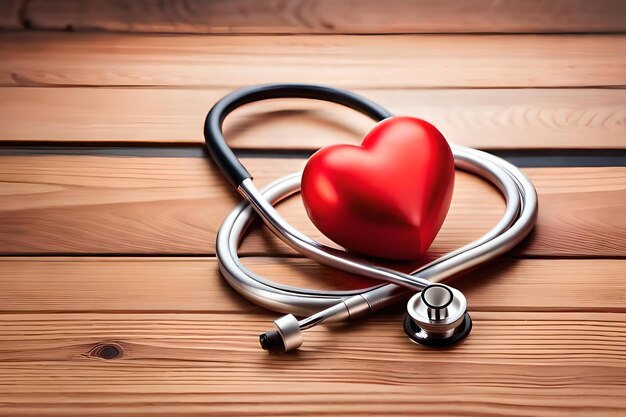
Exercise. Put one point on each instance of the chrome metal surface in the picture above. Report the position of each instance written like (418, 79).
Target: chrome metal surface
(289, 330)
(439, 321)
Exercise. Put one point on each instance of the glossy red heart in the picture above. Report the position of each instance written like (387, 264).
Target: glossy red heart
(386, 198)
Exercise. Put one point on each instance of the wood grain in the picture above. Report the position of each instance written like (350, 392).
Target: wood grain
(224, 348)
(60, 59)
(125, 388)
(117, 335)
(95, 204)
(329, 16)
(115, 205)
(202, 357)
(229, 341)
(484, 118)
(99, 205)
(196, 352)
(169, 285)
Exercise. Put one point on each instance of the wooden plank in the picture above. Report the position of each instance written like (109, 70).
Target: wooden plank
(125, 205)
(226, 346)
(489, 118)
(10, 14)
(170, 285)
(329, 16)
(159, 389)
(555, 340)
(62, 59)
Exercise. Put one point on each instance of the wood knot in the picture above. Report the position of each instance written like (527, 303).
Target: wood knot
(107, 351)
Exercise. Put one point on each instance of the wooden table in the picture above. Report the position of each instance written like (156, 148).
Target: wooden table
(111, 302)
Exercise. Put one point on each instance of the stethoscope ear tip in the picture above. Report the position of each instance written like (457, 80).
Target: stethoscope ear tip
(272, 341)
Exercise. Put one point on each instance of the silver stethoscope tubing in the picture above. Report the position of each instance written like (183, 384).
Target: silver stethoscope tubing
(515, 224)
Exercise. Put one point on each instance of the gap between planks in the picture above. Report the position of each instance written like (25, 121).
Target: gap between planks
(522, 158)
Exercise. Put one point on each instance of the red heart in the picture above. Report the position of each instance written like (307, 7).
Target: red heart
(387, 198)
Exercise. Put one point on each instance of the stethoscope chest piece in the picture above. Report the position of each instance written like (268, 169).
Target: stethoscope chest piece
(437, 316)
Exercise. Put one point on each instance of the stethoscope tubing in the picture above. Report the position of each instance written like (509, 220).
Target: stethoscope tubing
(515, 224)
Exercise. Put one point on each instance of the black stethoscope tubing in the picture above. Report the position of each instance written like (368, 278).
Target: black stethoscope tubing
(223, 155)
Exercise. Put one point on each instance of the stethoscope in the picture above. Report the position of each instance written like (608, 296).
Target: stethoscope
(437, 313)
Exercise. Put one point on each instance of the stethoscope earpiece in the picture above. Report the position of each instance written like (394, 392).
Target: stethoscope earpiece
(437, 316)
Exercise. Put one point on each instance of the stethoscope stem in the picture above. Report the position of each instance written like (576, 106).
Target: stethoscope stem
(287, 334)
